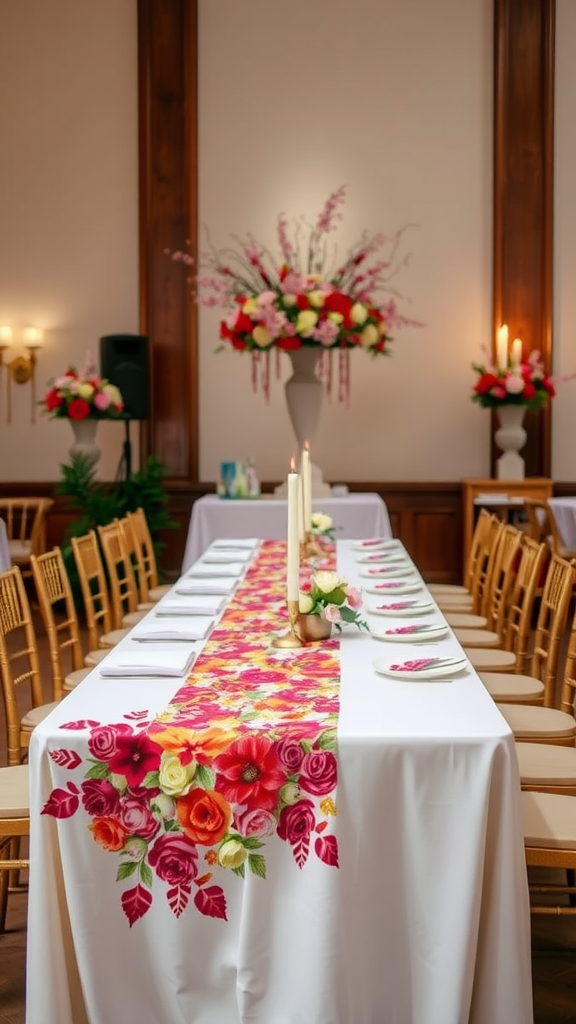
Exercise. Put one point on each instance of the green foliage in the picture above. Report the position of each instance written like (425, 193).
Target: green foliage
(97, 503)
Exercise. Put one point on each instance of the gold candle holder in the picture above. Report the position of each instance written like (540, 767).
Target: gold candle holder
(310, 548)
(291, 639)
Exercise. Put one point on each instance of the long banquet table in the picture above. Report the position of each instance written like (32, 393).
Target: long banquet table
(318, 844)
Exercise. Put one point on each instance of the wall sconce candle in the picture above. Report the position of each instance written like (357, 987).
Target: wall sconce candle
(21, 369)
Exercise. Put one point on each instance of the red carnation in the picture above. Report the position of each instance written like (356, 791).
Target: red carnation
(53, 400)
(529, 391)
(289, 344)
(485, 383)
(78, 409)
(302, 302)
(243, 324)
(549, 387)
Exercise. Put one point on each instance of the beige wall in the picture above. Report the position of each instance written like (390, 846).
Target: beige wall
(290, 108)
(394, 100)
(68, 203)
(564, 407)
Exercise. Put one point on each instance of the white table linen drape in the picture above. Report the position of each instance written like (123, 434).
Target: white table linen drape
(426, 920)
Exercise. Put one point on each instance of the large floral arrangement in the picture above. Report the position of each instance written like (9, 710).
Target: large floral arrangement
(81, 396)
(524, 382)
(306, 297)
(328, 594)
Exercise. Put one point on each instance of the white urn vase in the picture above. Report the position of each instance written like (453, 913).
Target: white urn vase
(304, 393)
(85, 438)
(510, 438)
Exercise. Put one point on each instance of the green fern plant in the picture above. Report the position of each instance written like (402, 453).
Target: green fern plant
(97, 503)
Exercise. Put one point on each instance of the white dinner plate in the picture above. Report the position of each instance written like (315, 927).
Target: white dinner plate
(416, 669)
(402, 608)
(375, 544)
(411, 634)
(384, 557)
(388, 571)
(388, 587)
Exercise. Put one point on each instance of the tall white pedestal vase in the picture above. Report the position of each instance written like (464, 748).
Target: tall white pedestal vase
(85, 438)
(510, 438)
(304, 396)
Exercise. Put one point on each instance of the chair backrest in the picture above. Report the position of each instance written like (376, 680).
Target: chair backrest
(123, 590)
(485, 560)
(25, 520)
(552, 616)
(502, 578)
(542, 524)
(143, 553)
(93, 586)
(518, 621)
(59, 616)
(480, 530)
(19, 662)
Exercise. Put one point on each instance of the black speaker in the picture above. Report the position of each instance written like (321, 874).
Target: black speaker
(124, 362)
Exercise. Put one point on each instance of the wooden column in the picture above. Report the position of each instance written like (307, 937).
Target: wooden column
(523, 190)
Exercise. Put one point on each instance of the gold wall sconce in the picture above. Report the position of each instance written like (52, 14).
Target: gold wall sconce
(21, 368)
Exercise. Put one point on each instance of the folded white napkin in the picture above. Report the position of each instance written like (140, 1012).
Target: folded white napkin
(187, 605)
(172, 628)
(226, 557)
(223, 586)
(212, 571)
(235, 542)
(159, 660)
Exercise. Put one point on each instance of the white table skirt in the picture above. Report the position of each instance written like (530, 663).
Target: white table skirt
(426, 921)
(564, 512)
(5, 560)
(354, 516)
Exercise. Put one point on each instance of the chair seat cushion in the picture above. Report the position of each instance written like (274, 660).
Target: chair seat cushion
(465, 620)
(14, 798)
(454, 604)
(73, 678)
(491, 659)
(508, 686)
(549, 820)
(20, 549)
(133, 618)
(156, 593)
(477, 637)
(36, 715)
(447, 588)
(94, 658)
(113, 638)
(546, 764)
(528, 722)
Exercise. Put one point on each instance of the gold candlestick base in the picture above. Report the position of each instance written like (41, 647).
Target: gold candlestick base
(291, 639)
(310, 548)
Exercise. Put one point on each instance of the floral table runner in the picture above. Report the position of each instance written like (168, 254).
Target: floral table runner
(244, 754)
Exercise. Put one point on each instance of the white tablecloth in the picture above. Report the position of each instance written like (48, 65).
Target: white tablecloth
(5, 560)
(426, 920)
(564, 512)
(354, 515)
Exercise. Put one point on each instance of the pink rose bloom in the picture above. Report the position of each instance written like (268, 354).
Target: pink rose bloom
(354, 598)
(332, 613)
(257, 823)
(101, 401)
(514, 384)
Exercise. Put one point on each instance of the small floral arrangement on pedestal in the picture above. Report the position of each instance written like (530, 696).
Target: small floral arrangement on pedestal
(305, 298)
(524, 381)
(81, 396)
(329, 595)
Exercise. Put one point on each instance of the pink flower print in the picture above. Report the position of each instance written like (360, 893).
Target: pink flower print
(135, 756)
(100, 798)
(396, 606)
(257, 823)
(388, 586)
(404, 629)
(318, 772)
(174, 858)
(296, 821)
(417, 665)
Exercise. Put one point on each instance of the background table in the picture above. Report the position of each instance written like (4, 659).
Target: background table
(425, 920)
(5, 560)
(564, 512)
(359, 515)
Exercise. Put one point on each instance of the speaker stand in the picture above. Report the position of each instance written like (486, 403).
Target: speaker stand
(124, 471)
